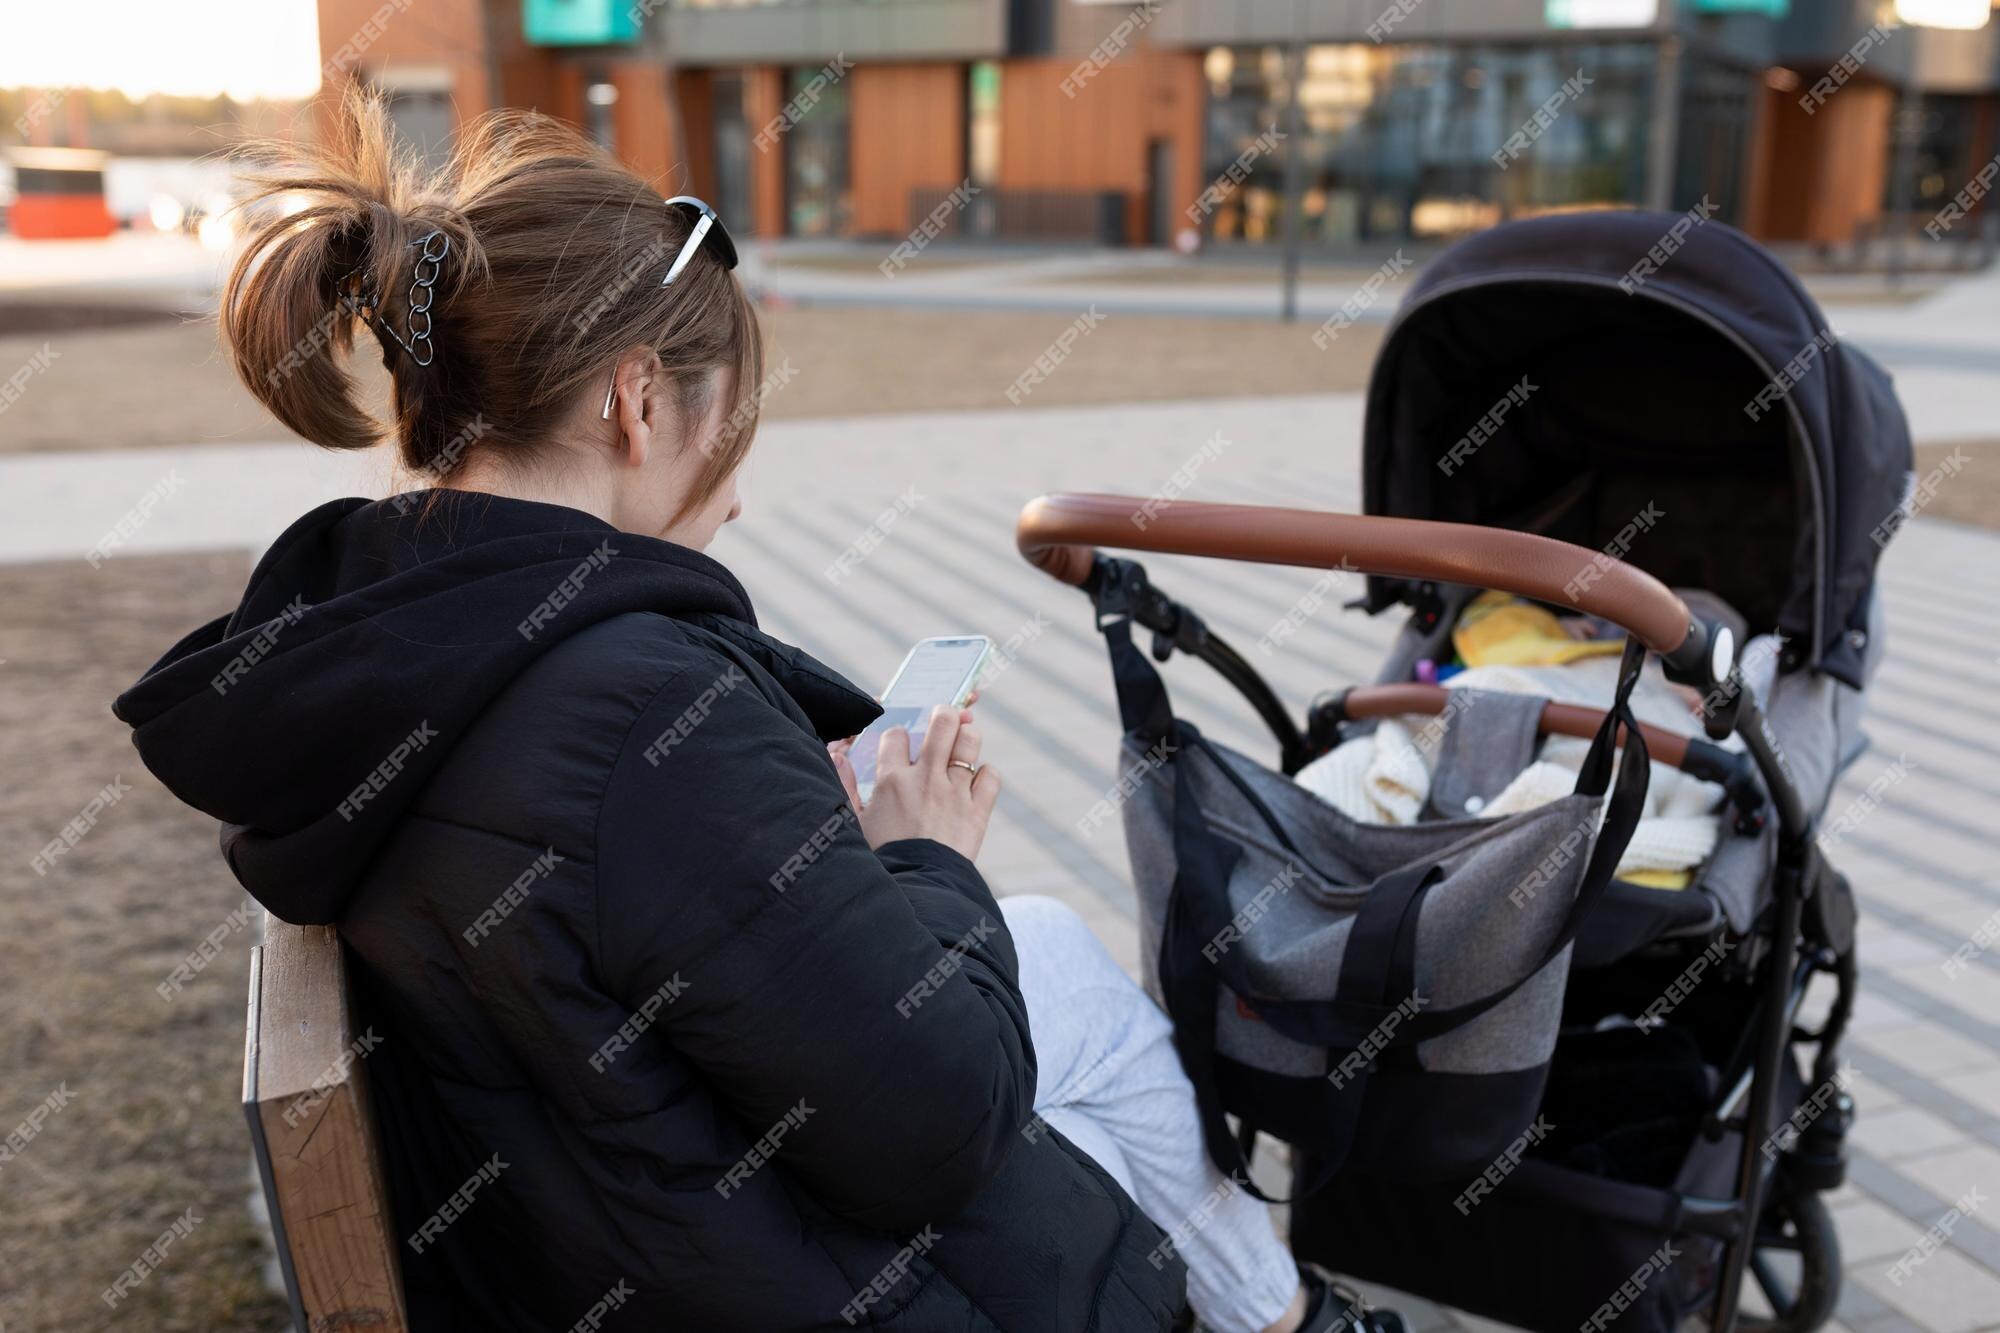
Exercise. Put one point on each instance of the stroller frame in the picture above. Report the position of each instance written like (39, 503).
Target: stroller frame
(1808, 927)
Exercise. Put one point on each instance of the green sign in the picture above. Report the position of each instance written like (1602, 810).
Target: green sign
(1770, 9)
(583, 22)
(1600, 13)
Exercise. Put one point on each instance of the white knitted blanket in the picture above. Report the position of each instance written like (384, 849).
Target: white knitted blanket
(1385, 778)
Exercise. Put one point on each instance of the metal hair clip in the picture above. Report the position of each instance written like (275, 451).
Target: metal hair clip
(366, 302)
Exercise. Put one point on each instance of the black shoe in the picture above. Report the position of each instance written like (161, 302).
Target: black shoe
(1333, 1308)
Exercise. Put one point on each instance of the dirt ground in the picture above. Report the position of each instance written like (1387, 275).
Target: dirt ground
(1224, 273)
(861, 360)
(165, 382)
(150, 1127)
(1968, 487)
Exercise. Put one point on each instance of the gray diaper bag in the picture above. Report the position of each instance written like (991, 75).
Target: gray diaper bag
(1384, 998)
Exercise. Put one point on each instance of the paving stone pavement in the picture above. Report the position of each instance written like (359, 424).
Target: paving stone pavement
(933, 498)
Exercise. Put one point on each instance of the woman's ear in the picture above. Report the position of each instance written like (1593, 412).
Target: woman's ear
(637, 393)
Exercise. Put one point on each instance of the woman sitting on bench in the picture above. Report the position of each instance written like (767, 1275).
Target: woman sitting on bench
(665, 1010)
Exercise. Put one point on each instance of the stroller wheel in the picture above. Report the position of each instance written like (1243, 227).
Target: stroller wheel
(1796, 1264)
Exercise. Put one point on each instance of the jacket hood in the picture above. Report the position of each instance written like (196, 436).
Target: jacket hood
(370, 637)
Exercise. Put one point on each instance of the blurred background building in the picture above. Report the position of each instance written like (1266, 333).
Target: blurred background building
(1096, 121)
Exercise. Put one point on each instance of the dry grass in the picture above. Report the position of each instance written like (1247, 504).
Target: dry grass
(153, 1127)
(1971, 493)
(853, 361)
(166, 383)
(870, 260)
(1252, 272)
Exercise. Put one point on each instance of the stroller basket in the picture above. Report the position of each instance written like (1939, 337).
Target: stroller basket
(1553, 1249)
(1556, 1246)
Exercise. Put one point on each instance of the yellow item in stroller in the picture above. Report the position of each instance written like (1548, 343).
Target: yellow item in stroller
(1499, 629)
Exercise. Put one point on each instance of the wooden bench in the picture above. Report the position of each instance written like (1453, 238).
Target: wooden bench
(305, 1094)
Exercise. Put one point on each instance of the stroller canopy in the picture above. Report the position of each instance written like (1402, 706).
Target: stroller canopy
(1700, 420)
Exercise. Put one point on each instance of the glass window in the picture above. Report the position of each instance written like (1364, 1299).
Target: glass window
(817, 190)
(982, 123)
(732, 152)
(1399, 140)
(424, 121)
(598, 100)
(982, 145)
(1718, 107)
(1941, 157)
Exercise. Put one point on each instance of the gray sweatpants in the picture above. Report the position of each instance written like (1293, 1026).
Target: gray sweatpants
(1110, 1082)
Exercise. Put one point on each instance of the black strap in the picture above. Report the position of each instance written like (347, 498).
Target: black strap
(1188, 980)
(1143, 708)
(1379, 965)
(1190, 985)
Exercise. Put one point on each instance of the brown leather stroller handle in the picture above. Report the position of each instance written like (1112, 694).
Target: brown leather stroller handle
(1558, 719)
(1057, 533)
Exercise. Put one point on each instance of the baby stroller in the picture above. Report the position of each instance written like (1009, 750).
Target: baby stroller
(1513, 1079)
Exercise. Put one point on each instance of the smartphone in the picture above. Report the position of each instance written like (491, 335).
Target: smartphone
(937, 671)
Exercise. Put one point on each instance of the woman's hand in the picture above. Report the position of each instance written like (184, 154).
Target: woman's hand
(935, 795)
(841, 751)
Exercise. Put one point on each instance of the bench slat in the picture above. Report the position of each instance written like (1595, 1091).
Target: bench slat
(305, 1093)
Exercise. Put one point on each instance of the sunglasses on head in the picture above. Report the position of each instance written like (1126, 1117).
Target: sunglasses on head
(706, 223)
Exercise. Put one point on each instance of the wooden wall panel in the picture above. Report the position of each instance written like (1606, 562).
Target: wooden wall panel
(567, 83)
(1786, 190)
(694, 100)
(530, 81)
(449, 34)
(1823, 174)
(1052, 142)
(454, 35)
(1180, 115)
(643, 126)
(763, 99)
(1854, 161)
(1097, 140)
(527, 74)
(1758, 163)
(908, 132)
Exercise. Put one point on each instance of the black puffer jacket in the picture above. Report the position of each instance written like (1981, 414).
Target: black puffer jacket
(616, 928)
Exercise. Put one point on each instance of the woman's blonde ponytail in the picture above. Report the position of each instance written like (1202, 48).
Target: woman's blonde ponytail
(283, 320)
(500, 290)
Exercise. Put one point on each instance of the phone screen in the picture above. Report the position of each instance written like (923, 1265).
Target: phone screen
(937, 671)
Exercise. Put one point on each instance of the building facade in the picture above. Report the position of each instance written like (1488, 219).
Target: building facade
(1161, 122)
